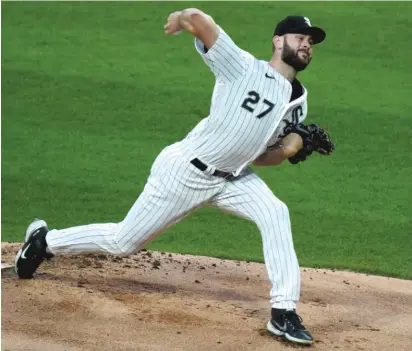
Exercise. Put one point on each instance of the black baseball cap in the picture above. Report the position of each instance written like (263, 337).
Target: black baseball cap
(300, 25)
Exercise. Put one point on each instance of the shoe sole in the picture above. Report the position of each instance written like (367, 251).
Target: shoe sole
(273, 330)
(35, 225)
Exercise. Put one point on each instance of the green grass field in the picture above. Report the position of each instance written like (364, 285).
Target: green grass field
(91, 92)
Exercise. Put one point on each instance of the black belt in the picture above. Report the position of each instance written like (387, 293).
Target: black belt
(200, 165)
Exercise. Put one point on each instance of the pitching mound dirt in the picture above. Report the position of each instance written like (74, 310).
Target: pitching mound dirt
(162, 301)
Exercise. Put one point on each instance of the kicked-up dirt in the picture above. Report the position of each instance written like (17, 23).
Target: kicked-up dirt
(164, 301)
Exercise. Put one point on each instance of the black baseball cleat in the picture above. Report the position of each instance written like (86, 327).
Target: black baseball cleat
(33, 252)
(288, 324)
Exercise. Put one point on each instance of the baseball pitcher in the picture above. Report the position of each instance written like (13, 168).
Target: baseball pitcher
(256, 117)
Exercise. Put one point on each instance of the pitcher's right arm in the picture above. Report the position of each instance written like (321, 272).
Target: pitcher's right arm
(194, 22)
(225, 59)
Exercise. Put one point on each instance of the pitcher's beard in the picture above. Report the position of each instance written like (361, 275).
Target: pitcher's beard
(290, 57)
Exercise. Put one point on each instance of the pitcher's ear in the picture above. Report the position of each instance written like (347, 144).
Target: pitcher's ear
(277, 42)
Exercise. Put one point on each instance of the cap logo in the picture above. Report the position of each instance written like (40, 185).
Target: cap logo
(307, 21)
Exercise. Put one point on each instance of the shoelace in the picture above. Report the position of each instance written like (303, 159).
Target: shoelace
(294, 320)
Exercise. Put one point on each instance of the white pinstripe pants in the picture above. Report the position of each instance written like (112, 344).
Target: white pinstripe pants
(174, 189)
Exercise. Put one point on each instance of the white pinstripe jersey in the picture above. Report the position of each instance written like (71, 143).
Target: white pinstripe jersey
(250, 108)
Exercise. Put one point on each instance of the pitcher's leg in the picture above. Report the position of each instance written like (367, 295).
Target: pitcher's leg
(249, 197)
(165, 200)
(162, 203)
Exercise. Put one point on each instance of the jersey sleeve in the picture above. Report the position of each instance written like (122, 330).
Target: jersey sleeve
(225, 59)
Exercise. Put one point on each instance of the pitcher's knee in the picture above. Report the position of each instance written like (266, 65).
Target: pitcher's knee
(121, 244)
(124, 248)
(119, 249)
(278, 210)
(283, 208)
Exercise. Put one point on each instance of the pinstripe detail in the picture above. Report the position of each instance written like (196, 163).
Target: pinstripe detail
(224, 58)
(250, 198)
(226, 145)
(174, 189)
(233, 136)
(229, 139)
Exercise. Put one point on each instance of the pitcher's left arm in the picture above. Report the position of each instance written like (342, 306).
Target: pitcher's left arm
(288, 147)
(298, 145)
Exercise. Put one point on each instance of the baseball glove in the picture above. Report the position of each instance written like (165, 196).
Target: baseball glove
(315, 139)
